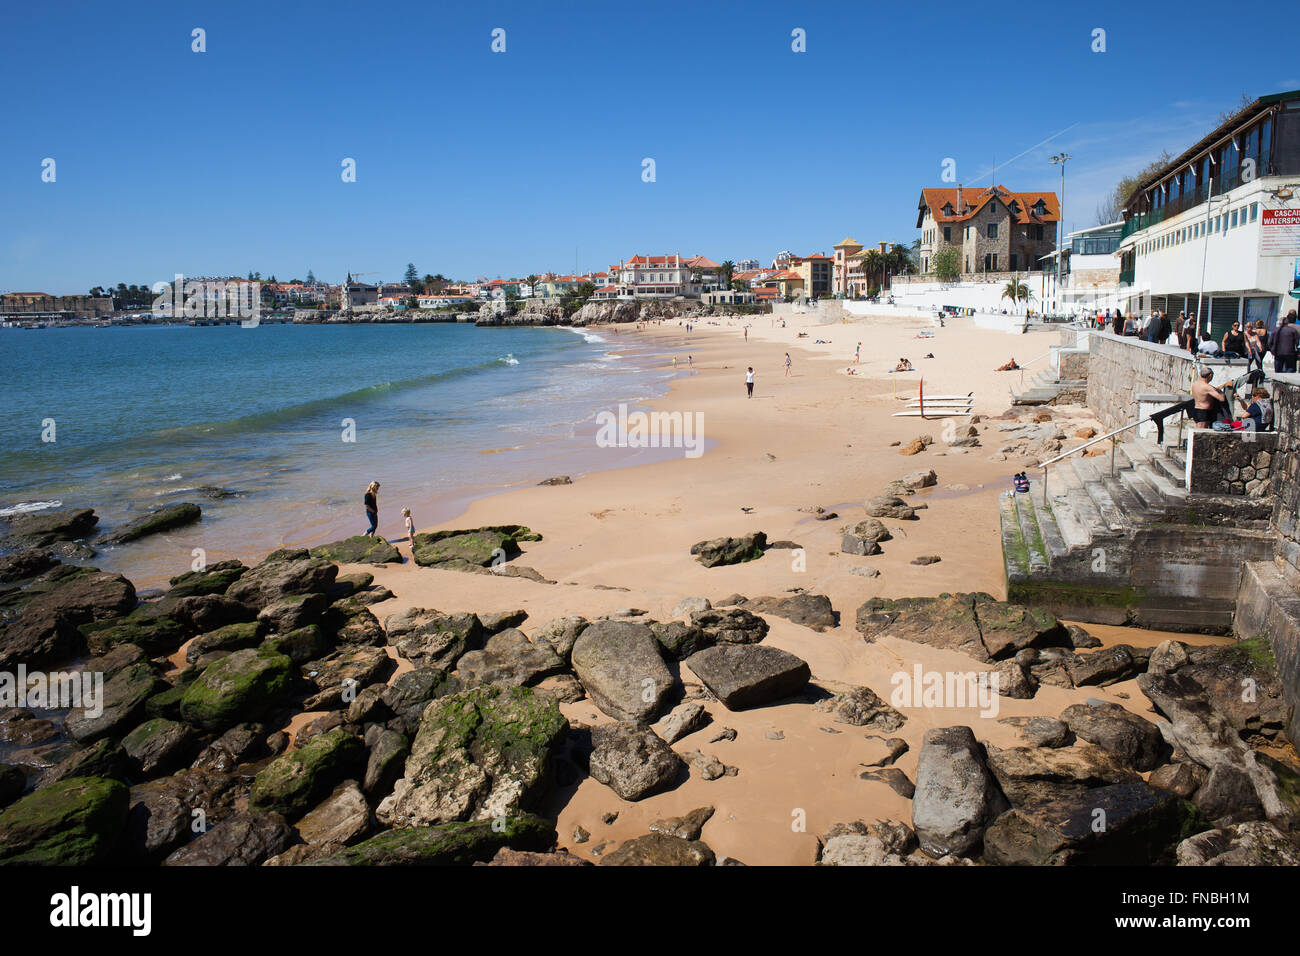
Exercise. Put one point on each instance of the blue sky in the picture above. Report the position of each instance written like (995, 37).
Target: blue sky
(471, 162)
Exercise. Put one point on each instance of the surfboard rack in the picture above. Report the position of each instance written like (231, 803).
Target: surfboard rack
(937, 406)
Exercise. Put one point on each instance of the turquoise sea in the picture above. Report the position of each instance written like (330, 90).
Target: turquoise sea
(291, 422)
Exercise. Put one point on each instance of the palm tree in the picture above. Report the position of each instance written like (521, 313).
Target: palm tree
(872, 264)
(726, 271)
(532, 283)
(1017, 291)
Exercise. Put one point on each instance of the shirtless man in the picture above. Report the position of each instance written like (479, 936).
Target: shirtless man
(1204, 394)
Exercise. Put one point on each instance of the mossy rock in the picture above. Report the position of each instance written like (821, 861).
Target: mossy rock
(294, 783)
(153, 633)
(214, 579)
(461, 842)
(74, 822)
(232, 637)
(301, 645)
(236, 688)
(158, 520)
(166, 703)
(467, 548)
(358, 549)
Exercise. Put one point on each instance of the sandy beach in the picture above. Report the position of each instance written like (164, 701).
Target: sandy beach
(818, 438)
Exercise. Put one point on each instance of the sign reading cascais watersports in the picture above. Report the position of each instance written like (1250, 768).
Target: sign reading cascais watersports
(1279, 232)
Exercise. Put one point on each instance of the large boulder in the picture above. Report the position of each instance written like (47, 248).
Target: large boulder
(1238, 783)
(454, 842)
(45, 528)
(660, 849)
(351, 622)
(861, 707)
(560, 634)
(75, 822)
(232, 637)
(956, 795)
(247, 838)
(293, 611)
(510, 660)
(619, 665)
(679, 640)
(864, 537)
(731, 625)
(296, 781)
(718, 551)
(52, 609)
(158, 745)
(24, 564)
(813, 611)
(749, 675)
(1033, 775)
(429, 638)
(1136, 741)
(889, 506)
(484, 752)
(343, 817)
(213, 579)
(1127, 824)
(632, 760)
(1256, 843)
(410, 693)
(473, 548)
(121, 707)
(974, 624)
(282, 574)
(359, 549)
(160, 519)
(239, 686)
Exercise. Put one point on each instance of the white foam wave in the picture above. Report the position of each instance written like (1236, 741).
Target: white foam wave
(23, 507)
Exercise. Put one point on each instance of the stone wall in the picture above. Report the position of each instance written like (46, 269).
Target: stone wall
(1124, 368)
(1285, 477)
(1232, 463)
(1072, 365)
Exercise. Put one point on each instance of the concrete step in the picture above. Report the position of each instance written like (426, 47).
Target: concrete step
(1014, 549)
(1053, 537)
(1085, 509)
(1173, 494)
(1029, 530)
(1135, 512)
(1170, 469)
(1116, 521)
(1033, 396)
(1148, 494)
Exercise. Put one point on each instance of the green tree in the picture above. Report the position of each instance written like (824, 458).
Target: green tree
(311, 278)
(946, 263)
(1016, 291)
(411, 277)
(1109, 209)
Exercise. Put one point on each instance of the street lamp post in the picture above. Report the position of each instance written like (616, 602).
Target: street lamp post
(1060, 159)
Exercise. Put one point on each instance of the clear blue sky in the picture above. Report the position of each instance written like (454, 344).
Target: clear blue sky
(474, 163)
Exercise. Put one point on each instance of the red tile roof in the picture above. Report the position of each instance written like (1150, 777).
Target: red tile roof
(976, 199)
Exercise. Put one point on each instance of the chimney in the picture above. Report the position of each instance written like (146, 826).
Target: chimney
(961, 205)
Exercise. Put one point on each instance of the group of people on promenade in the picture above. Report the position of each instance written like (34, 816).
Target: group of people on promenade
(1251, 342)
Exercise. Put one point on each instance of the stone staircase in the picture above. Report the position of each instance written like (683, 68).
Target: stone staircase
(1046, 388)
(1130, 547)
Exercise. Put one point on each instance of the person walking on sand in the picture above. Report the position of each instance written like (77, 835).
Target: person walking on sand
(749, 383)
(674, 363)
(857, 354)
(787, 364)
(410, 526)
(372, 507)
(747, 333)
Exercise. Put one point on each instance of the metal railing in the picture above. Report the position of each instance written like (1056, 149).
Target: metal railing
(1114, 444)
(1031, 362)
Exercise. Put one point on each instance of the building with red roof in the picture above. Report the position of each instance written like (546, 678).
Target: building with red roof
(994, 229)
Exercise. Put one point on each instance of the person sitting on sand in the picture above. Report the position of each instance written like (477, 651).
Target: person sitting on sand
(372, 507)
(1011, 366)
(903, 366)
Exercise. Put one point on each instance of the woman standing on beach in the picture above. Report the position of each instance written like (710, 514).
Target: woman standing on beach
(787, 364)
(372, 507)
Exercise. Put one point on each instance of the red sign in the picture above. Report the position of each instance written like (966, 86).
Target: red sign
(1279, 232)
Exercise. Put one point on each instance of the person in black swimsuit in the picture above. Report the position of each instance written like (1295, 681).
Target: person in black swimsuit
(372, 507)
(1234, 341)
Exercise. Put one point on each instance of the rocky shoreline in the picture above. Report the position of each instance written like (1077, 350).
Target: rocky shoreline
(266, 715)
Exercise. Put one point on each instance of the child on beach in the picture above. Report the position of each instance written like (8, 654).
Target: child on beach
(410, 525)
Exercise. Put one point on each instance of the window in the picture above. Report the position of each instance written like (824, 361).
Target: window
(995, 262)
(993, 230)
(1234, 219)
(1013, 262)
(988, 262)
(947, 233)
(1254, 211)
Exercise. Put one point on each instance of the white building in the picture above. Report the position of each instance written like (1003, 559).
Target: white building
(1220, 224)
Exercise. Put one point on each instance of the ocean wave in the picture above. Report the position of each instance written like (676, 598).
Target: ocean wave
(24, 507)
(509, 359)
(587, 336)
